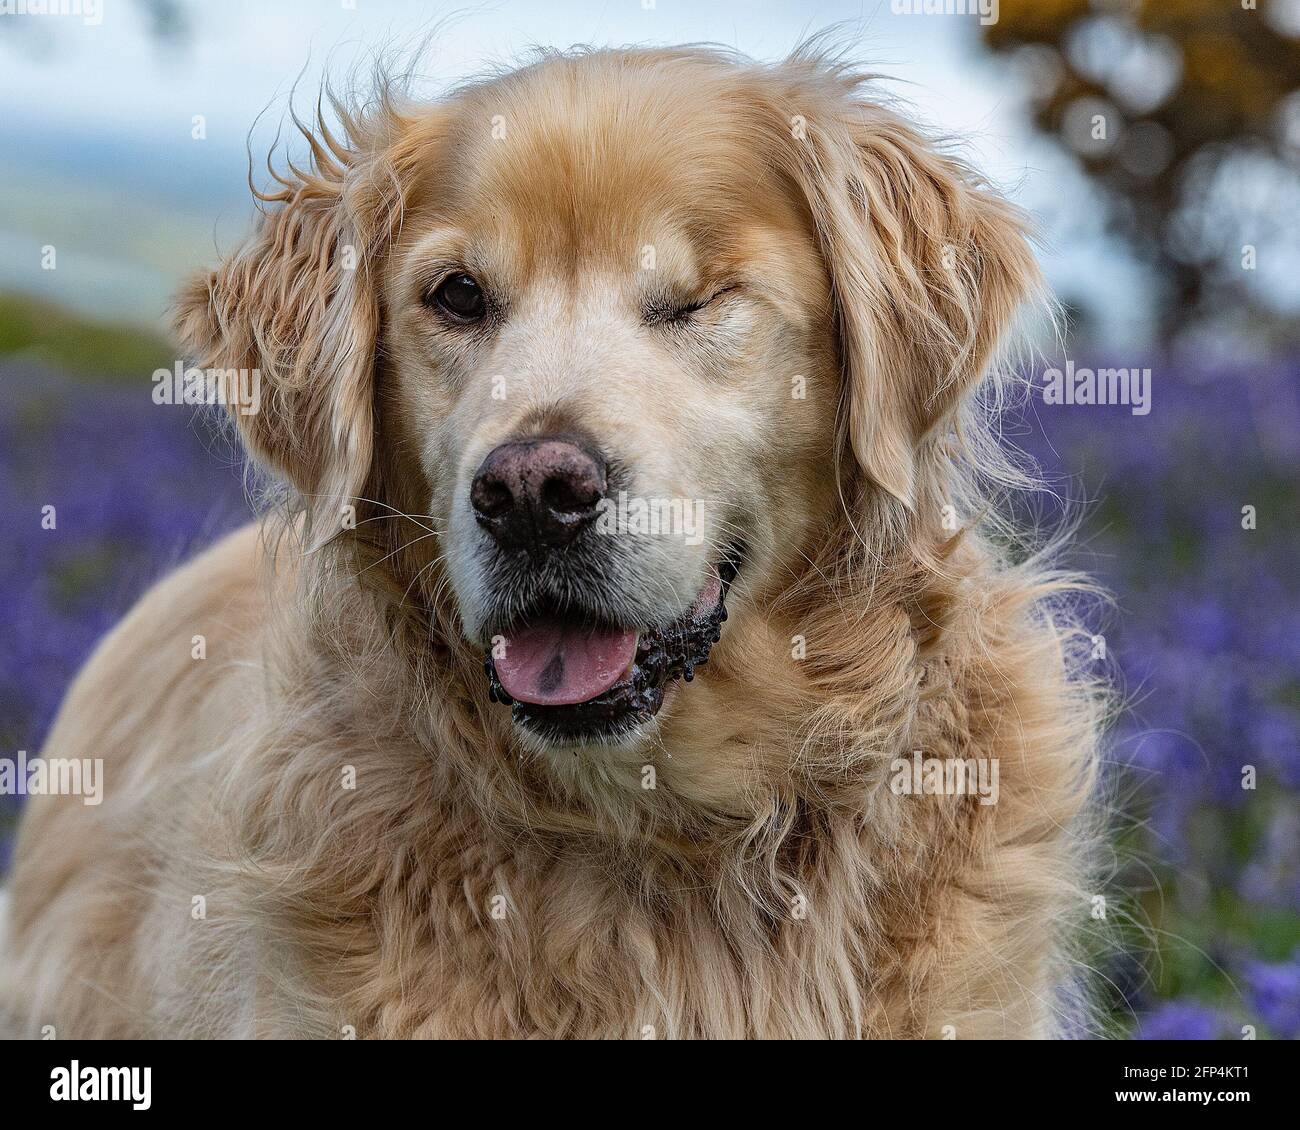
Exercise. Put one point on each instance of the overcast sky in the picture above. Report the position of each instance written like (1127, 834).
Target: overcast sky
(100, 162)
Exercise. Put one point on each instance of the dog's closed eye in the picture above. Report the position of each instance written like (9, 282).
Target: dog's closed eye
(664, 310)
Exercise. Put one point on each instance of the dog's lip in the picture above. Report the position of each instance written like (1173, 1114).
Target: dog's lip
(663, 653)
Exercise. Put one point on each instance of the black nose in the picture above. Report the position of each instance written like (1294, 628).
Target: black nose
(538, 493)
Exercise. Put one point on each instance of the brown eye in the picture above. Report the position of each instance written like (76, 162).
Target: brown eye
(461, 297)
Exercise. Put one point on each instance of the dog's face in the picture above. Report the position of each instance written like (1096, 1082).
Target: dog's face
(612, 355)
(620, 327)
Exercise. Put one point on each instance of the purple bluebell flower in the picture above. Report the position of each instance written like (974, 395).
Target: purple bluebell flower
(1185, 1020)
(1274, 992)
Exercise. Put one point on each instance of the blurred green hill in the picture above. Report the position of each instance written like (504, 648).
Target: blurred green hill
(102, 351)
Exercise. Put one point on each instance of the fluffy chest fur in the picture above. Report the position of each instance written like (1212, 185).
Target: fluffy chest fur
(440, 880)
(386, 863)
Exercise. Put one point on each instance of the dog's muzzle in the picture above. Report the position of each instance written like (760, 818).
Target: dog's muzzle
(568, 672)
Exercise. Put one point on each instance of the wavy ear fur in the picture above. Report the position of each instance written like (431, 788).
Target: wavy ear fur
(298, 302)
(927, 265)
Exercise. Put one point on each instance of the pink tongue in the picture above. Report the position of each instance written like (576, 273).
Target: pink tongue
(554, 665)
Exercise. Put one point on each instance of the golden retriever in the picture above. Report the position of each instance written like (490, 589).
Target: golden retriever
(585, 375)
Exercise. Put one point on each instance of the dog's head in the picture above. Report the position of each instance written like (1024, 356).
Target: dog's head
(626, 331)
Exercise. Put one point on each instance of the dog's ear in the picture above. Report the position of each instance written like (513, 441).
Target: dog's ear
(927, 266)
(298, 303)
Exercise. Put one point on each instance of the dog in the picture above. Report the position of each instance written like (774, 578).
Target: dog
(633, 649)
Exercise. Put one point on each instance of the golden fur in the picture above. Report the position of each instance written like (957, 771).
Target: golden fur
(472, 884)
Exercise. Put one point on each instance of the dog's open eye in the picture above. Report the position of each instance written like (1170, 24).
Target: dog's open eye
(459, 296)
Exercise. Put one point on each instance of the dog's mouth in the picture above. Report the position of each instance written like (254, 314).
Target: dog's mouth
(567, 678)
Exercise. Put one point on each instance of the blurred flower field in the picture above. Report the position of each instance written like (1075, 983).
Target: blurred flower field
(136, 489)
(1205, 635)
(1205, 640)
